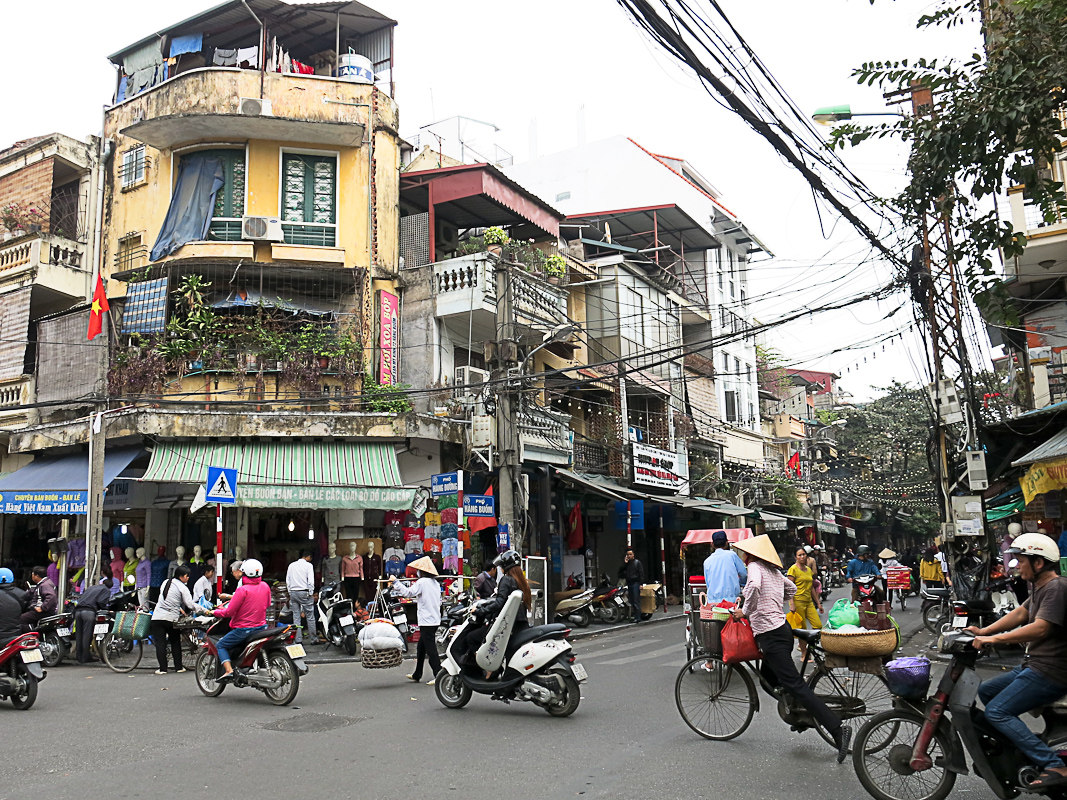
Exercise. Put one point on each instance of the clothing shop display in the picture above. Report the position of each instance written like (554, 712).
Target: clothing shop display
(447, 501)
(393, 552)
(352, 574)
(372, 570)
(449, 530)
(431, 545)
(450, 515)
(393, 518)
(331, 570)
(413, 546)
(394, 567)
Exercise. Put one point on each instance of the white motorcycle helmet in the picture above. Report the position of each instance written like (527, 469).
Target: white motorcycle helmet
(1036, 544)
(252, 568)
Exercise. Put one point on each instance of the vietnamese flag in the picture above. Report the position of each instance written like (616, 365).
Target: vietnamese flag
(96, 313)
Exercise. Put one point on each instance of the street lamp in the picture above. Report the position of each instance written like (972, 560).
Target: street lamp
(558, 334)
(830, 115)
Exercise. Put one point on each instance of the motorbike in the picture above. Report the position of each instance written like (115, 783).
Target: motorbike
(868, 588)
(627, 612)
(56, 637)
(268, 661)
(335, 618)
(577, 610)
(21, 670)
(608, 602)
(452, 616)
(919, 748)
(936, 607)
(535, 665)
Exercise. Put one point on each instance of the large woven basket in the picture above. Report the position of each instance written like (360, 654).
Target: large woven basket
(381, 659)
(859, 643)
(131, 625)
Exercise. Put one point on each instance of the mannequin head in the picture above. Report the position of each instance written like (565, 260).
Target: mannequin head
(197, 551)
(332, 549)
(179, 553)
(1014, 529)
(351, 549)
(161, 551)
(129, 553)
(370, 548)
(238, 553)
(140, 554)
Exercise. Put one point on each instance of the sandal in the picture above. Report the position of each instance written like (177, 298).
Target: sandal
(1045, 780)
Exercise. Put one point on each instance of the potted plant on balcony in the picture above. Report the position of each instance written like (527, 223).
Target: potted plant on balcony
(495, 238)
(555, 267)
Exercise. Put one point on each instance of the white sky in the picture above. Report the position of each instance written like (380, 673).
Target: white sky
(511, 64)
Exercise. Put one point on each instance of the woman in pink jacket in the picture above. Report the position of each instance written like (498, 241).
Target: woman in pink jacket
(247, 612)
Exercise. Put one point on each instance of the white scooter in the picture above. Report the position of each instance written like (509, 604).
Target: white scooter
(536, 665)
(335, 619)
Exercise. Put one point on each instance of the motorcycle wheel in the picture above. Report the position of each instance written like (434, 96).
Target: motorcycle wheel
(934, 616)
(54, 650)
(881, 754)
(286, 693)
(27, 696)
(611, 615)
(585, 616)
(451, 690)
(121, 655)
(205, 674)
(350, 644)
(572, 695)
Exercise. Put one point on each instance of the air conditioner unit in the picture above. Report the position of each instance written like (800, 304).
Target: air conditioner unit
(468, 380)
(446, 236)
(253, 107)
(262, 229)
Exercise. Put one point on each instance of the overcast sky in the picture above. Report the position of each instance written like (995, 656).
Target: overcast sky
(514, 64)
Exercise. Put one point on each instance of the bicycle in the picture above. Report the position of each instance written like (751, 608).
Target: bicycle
(718, 700)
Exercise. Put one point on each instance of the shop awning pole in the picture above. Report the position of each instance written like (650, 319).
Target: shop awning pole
(218, 549)
(663, 558)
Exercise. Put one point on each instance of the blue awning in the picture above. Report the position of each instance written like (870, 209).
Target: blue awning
(59, 485)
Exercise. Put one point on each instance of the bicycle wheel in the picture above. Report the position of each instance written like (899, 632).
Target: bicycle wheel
(881, 755)
(716, 701)
(850, 695)
(121, 655)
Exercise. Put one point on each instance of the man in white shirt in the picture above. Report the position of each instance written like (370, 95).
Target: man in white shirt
(300, 580)
(204, 589)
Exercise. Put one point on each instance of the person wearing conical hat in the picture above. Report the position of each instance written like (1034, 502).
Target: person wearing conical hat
(765, 593)
(427, 592)
(888, 560)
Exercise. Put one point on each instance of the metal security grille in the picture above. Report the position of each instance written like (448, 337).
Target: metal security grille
(230, 201)
(146, 307)
(309, 196)
(415, 240)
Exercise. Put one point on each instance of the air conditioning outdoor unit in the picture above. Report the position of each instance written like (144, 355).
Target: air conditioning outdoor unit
(446, 236)
(254, 107)
(468, 380)
(262, 229)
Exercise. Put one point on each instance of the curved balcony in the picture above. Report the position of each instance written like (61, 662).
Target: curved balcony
(206, 105)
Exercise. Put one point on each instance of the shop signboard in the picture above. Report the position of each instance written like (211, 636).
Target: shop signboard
(445, 483)
(254, 495)
(655, 467)
(388, 337)
(479, 505)
(503, 537)
(44, 502)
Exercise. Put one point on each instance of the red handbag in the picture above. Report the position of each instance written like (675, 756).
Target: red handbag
(738, 642)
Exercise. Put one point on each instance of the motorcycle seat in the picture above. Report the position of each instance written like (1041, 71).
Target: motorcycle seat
(532, 634)
(934, 592)
(806, 636)
(52, 619)
(266, 633)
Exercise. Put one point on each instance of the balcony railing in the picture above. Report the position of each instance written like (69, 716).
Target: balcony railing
(546, 435)
(51, 261)
(468, 283)
(590, 457)
(16, 392)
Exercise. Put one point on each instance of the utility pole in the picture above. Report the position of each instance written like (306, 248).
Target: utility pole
(509, 383)
(94, 522)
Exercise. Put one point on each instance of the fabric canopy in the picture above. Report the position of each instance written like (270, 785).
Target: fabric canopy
(704, 536)
(58, 485)
(189, 216)
(291, 474)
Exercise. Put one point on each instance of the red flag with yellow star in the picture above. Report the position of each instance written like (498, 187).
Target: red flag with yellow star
(100, 306)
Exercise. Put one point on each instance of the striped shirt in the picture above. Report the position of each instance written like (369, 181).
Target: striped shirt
(765, 593)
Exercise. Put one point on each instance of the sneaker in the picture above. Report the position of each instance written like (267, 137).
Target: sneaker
(412, 678)
(161, 672)
(843, 738)
(183, 669)
(431, 682)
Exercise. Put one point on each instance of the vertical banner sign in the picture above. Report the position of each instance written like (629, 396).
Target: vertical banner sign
(388, 337)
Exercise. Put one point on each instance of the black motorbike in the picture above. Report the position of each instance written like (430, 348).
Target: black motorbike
(55, 634)
(917, 749)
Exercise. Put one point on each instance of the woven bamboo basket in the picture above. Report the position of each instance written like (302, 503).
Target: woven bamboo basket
(859, 643)
(381, 659)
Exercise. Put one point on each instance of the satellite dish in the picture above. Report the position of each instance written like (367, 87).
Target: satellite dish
(199, 501)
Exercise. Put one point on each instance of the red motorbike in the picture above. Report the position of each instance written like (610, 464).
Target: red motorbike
(21, 671)
(268, 661)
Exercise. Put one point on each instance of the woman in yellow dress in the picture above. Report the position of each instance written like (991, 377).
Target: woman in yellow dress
(805, 601)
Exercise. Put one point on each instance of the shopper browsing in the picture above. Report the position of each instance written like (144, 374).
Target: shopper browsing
(174, 601)
(300, 581)
(204, 590)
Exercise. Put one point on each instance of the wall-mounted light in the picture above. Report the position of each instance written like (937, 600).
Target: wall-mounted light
(311, 533)
(292, 526)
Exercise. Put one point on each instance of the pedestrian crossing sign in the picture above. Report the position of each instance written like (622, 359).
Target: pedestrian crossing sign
(221, 485)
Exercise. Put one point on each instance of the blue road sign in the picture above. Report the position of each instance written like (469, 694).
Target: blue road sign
(221, 486)
(479, 505)
(446, 483)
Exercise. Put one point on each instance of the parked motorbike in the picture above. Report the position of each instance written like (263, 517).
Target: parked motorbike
(627, 609)
(576, 610)
(536, 665)
(268, 661)
(608, 602)
(20, 671)
(936, 607)
(982, 613)
(335, 618)
(56, 637)
(917, 749)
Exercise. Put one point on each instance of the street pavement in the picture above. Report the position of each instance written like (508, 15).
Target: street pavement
(354, 732)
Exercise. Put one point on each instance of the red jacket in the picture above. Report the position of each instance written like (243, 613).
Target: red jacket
(248, 606)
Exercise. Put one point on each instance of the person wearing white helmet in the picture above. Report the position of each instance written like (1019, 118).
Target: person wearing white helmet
(1042, 677)
(246, 611)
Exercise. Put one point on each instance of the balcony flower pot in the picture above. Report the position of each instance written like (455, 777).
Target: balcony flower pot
(495, 249)
(324, 362)
(554, 280)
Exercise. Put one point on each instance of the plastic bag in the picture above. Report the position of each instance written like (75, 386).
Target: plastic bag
(738, 642)
(843, 612)
(794, 619)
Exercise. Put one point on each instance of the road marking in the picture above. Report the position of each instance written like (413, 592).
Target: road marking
(622, 648)
(674, 664)
(673, 649)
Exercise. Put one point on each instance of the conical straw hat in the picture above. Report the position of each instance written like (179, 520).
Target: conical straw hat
(887, 553)
(761, 547)
(424, 564)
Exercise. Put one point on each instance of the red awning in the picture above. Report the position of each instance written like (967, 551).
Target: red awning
(704, 536)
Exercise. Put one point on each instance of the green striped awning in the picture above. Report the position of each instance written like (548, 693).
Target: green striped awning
(291, 474)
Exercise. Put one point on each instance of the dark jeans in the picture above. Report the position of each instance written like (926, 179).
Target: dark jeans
(352, 588)
(427, 648)
(84, 621)
(29, 620)
(779, 670)
(1013, 693)
(634, 592)
(163, 631)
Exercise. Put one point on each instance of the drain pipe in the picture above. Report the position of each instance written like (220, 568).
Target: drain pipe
(262, 46)
(103, 154)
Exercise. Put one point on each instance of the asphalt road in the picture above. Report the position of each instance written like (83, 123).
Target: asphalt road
(360, 733)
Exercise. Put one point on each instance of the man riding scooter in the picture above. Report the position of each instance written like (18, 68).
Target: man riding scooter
(861, 565)
(13, 602)
(1042, 677)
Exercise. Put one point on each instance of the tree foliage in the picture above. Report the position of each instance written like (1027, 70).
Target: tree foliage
(995, 123)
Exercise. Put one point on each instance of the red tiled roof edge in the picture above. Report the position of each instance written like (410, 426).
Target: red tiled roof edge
(659, 160)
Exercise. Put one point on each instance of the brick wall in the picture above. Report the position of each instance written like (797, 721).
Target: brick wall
(30, 185)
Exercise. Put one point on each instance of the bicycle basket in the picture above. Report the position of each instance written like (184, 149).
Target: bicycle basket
(908, 678)
(131, 625)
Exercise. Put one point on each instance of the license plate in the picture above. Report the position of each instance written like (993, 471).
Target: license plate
(959, 622)
(102, 628)
(65, 632)
(619, 601)
(400, 619)
(30, 656)
(295, 651)
(346, 620)
(580, 674)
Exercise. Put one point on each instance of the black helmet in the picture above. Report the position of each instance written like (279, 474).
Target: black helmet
(862, 550)
(507, 560)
